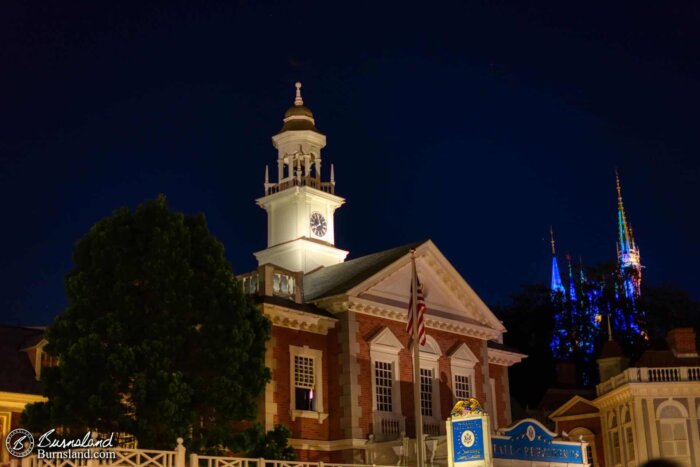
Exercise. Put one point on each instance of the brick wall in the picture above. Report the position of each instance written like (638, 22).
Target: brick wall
(368, 327)
(303, 428)
(497, 372)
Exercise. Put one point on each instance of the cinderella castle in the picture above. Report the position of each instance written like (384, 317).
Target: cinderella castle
(587, 307)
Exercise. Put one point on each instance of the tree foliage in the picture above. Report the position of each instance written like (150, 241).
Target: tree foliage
(158, 339)
(273, 445)
(529, 318)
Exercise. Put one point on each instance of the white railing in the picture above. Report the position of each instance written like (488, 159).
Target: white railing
(650, 375)
(117, 457)
(122, 457)
(141, 457)
(221, 461)
(388, 425)
(313, 182)
(432, 427)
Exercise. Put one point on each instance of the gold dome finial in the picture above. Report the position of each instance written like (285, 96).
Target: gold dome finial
(298, 100)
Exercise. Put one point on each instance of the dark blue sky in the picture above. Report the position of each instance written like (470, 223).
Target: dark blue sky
(477, 125)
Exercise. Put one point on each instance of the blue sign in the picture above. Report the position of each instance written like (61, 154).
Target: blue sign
(468, 440)
(529, 440)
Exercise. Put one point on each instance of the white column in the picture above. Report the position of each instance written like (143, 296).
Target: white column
(639, 425)
(694, 434)
(651, 425)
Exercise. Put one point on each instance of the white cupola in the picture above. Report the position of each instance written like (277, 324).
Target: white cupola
(300, 206)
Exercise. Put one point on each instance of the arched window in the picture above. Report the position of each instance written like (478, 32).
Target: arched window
(628, 435)
(673, 420)
(615, 440)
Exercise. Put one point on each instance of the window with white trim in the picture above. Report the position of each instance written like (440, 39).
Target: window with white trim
(628, 434)
(384, 350)
(306, 382)
(387, 420)
(463, 387)
(615, 441)
(430, 354)
(384, 386)
(674, 431)
(426, 392)
(462, 363)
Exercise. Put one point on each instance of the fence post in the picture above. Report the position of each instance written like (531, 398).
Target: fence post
(180, 453)
(261, 462)
(26, 461)
(194, 460)
(13, 462)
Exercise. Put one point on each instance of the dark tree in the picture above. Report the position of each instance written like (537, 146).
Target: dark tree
(273, 445)
(158, 339)
(669, 307)
(529, 319)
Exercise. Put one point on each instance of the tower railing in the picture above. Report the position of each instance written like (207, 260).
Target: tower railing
(311, 182)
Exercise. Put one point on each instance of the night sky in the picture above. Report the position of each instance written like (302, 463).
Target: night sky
(475, 125)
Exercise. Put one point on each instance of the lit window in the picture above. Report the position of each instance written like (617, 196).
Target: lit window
(304, 383)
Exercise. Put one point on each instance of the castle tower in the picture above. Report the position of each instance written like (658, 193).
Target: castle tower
(300, 206)
(556, 284)
(627, 251)
(572, 285)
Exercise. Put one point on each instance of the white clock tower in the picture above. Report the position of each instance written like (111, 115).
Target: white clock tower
(300, 207)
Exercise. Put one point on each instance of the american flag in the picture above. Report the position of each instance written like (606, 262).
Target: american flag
(420, 310)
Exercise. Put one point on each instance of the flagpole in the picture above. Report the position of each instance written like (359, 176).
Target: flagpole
(420, 447)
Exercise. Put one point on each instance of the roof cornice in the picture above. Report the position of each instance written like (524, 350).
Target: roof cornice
(341, 303)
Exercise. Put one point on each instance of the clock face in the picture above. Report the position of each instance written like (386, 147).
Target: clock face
(318, 224)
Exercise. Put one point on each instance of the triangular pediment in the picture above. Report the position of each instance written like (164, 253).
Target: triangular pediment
(577, 405)
(449, 298)
(386, 338)
(463, 352)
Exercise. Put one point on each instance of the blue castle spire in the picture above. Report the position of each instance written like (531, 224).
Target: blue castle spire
(572, 285)
(556, 286)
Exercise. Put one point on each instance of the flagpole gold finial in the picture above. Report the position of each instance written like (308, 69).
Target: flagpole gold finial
(298, 101)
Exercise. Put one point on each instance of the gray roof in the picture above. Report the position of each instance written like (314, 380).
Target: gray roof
(339, 278)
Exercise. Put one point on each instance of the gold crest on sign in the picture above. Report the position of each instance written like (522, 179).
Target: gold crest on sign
(469, 406)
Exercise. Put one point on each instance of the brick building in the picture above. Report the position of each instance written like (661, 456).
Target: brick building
(340, 356)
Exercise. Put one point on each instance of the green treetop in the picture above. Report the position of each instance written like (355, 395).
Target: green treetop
(158, 339)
